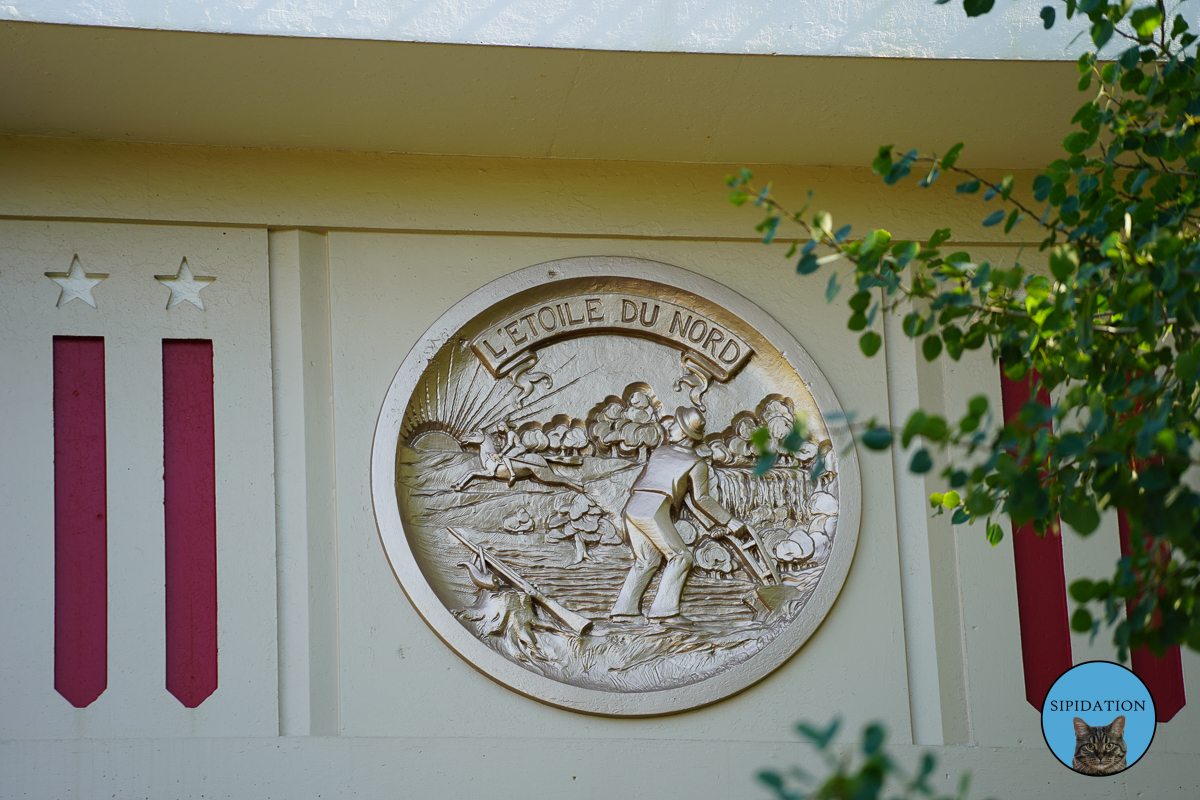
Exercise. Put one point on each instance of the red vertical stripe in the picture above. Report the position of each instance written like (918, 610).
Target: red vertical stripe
(80, 521)
(1041, 583)
(189, 474)
(1162, 676)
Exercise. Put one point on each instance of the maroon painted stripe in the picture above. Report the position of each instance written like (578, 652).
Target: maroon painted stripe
(189, 475)
(1041, 582)
(1162, 676)
(80, 521)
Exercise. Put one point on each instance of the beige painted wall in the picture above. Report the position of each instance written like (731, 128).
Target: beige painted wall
(369, 701)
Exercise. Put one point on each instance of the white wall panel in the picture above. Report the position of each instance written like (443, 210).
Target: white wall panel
(132, 317)
(397, 677)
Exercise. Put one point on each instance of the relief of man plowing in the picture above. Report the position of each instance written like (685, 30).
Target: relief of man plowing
(673, 475)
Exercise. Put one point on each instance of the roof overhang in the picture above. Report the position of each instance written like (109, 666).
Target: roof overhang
(336, 94)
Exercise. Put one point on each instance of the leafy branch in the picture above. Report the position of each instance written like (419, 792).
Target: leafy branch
(868, 780)
(1104, 328)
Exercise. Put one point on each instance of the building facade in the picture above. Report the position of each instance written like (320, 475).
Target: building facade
(222, 230)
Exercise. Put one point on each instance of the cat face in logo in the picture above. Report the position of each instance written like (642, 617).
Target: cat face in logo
(1100, 749)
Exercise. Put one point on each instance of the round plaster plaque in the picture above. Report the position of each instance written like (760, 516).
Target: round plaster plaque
(564, 480)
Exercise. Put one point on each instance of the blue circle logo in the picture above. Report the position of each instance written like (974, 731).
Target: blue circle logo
(1098, 718)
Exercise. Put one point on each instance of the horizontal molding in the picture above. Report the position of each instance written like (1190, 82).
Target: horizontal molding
(272, 188)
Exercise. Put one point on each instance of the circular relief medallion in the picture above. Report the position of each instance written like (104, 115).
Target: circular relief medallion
(564, 476)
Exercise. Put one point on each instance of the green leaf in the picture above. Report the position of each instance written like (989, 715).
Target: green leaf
(821, 738)
(916, 422)
(921, 462)
(977, 8)
(860, 301)
(808, 264)
(770, 227)
(764, 464)
(1185, 365)
(951, 499)
(772, 779)
(967, 187)
(1146, 21)
(995, 534)
(1064, 260)
(900, 169)
(904, 253)
(873, 738)
(877, 438)
(931, 347)
(951, 157)
(823, 221)
(760, 438)
(978, 405)
(979, 503)
(1102, 31)
(1139, 181)
(857, 322)
(1080, 513)
(1081, 620)
(1006, 186)
(939, 236)
(1047, 16)
(832, 288)
(1014, 217)
(994, 218)
(1042, 185)
(1193, 636)
(1077, 142)
(876, 241)
(1081, 590)
(869, 343)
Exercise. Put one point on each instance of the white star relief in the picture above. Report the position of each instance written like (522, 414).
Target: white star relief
(76, 284)
(184, 286)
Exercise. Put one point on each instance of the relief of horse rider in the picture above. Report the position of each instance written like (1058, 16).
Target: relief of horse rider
(674, 474)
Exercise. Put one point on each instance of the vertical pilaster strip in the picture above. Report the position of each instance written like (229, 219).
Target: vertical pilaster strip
(189, 475)
(1041, 582)
(929, 570)
(305, 485)
(321, 478)
(1162, 676)
(80, 520)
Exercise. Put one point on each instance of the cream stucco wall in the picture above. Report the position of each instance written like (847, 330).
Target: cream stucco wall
(351, 256)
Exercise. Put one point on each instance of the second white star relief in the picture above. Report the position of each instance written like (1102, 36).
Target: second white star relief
(184, 286)
(76, 284)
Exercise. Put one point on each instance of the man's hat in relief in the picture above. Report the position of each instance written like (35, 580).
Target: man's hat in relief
(690, 422)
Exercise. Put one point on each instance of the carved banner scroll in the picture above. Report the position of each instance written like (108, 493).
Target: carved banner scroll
(595, 533)
(713, 345)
